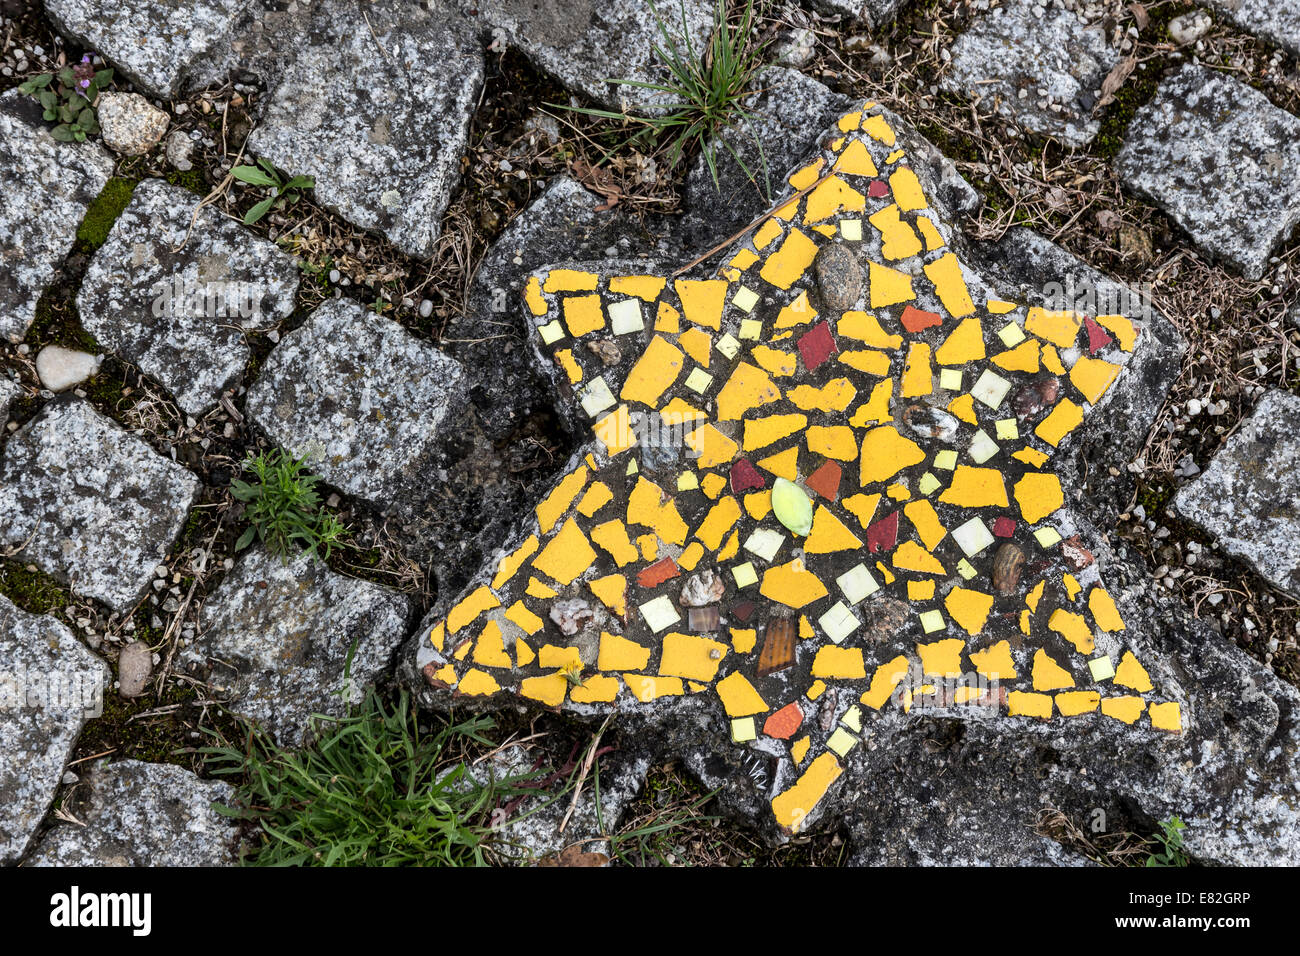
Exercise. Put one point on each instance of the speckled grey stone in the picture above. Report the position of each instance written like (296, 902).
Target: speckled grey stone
(376, 108)
(10, 392)
(1275, 20)
(363, 399)
(90, 503)
(154, 43)
(278, 636)
(874, 13)
(1247, 497)
(1056, 56)
(141, 814)
(47, 187)
(586, 43)
(154, 301)
(1221, 160)
(49, 685)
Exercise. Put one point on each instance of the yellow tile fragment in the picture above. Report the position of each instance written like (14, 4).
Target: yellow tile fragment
(1049, 675)
(612, 538)
(597, 496)
(941, 658)
(1166, 716)
(792, 807)
(560, 498)
(620, 654)
(866, 328)
(866, 360)
(567, 555)
(888, 286)
(792, 585)
(519, 615)
(512, 562)
(964, 344)
(656, 369)
(470, 607)
(477, 683)
(832, 441)
(1039, 495)
(1074, 628)
(596, 689)
(646, 288)
(973, 487)
(747, 388)
(647, 688)
(711, 447)
(883, 682)
(995, 662)
(1104, 612)
(691, 656)
(910, 556)
(798, 312)
(1120, 327)
(791, 260)
(702, 300)
(761, 432)
(838, 663)
(1059, 328)
(784, 464)
(720, 520)
(835, 396)
(1064, 417)
(1024, 704)
(1075, 702)
(968, 608)
(926, 521)
(774, 361)
(738, 696)
(533, 296)
(949, 285)
(918, 376)
(1130, 673)
(1092, 377)
(583, 314)
(1126, 709)
(829, 534)
(885, 453)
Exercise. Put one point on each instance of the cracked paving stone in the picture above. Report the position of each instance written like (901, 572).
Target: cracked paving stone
(585, 43)
(287, 630)
(376, 106)
(141, 814)
(179, 308)
(367, 403)
(1247, 496)
(156, 44)
(50, 684)
(90, 503)
(775, 554)
(1043, 72)
(1275, 20)
(48, 187)
(1221, 160)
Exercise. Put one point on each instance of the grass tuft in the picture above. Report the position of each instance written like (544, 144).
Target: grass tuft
(374, 790)
(705, 92)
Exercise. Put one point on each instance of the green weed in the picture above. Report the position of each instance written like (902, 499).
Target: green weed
(283, 508)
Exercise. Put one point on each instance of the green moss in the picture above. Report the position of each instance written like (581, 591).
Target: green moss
(190, 179)
(33, 591)
(103, 212)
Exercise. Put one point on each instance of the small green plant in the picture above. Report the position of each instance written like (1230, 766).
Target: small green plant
(373, 790)
(284, 191)
(704, 94)
(68, 97)
(283, 507)
(1170, 839)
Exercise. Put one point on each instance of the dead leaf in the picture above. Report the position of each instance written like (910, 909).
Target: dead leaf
(599, 181)
(1108, 220)
(574, 855)
(1114, 80)
(1140, 15)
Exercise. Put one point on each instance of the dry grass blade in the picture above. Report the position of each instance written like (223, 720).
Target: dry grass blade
(1115, 79)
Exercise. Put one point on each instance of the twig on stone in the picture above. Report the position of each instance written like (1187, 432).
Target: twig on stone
(587, 762)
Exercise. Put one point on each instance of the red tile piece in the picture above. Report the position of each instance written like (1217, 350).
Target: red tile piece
(1098, 338)
(914, 320)
(743, 610)
(745, 477)
(816, 345)
(1004, 527)
(826, 480)
(883, 534)
(657, 573)
(783, 724)
(877, 189)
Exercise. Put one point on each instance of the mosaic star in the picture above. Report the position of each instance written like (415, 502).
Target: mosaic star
(857, 519)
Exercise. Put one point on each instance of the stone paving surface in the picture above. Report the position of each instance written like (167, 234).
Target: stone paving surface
(280, 636)
(89, 503)
(1042, 70)
(365, 401)
(154, 43)
(1275, 20)
(1247, 498)
(48, 186)
(10, 392)
(50, 684)
(588, 43)
(376, 107)
(1221, 160)
(174, 294)
(141, 814)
